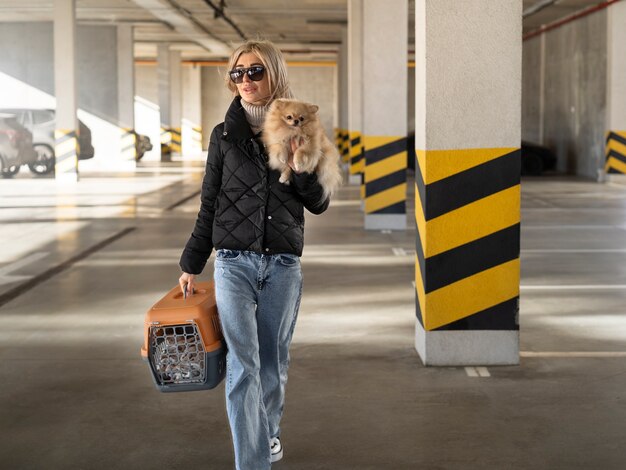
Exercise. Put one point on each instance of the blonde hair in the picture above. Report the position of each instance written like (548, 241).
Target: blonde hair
(274, 63)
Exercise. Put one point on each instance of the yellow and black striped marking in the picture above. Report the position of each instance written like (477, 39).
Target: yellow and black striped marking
(616, 152)
(339, 140)
(171, 137)
(129, 149)
(65, 151)
(176, 140)
(356, 153)
(467, 211)
(345, 146)
(385, 174)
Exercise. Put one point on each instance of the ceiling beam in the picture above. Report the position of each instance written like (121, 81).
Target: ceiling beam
(183, 22)
(537, 7)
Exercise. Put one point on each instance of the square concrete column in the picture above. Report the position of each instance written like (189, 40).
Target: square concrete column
(615, 163)
(170, 103)
(66, 142)
(342, 133)
(355, 92)
(385, 55)
(467, 174)
(192, 111)
(126, 95)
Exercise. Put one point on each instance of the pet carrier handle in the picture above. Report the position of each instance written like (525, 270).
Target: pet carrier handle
(193, 291)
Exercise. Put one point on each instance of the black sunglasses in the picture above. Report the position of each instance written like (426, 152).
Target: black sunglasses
(255, 74)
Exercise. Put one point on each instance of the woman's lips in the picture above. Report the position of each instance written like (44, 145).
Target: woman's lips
(249, 90)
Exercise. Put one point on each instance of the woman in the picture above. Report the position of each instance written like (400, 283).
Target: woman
(256, 225)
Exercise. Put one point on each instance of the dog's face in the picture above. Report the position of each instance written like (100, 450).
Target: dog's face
(296, 113)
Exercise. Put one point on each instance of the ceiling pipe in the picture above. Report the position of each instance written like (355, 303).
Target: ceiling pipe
(219, 13)
(569, 19)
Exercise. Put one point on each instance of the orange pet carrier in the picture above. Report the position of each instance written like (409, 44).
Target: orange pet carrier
(183, 342)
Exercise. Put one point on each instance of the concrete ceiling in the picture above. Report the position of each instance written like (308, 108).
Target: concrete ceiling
(305, 29)
(555, 11)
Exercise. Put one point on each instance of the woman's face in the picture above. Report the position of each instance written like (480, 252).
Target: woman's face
(253, 92)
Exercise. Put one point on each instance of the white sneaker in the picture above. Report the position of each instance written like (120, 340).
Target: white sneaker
(276, 449)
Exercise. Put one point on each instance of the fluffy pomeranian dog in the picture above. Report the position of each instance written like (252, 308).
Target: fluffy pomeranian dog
(287, 119)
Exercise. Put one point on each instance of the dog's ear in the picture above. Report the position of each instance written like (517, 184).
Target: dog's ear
(313, 108)
(279, 104)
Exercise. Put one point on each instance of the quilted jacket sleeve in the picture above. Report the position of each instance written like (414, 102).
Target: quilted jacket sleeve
(311, 192)
(200, 244)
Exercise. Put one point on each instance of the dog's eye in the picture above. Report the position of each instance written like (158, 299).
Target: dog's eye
(289, 117)
(301, 118)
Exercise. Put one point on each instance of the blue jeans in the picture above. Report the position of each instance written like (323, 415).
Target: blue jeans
(258, 297)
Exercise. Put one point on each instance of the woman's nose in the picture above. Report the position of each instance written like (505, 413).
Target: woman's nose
(246, 78)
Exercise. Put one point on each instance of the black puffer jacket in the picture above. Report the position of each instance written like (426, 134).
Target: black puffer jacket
(243, 206)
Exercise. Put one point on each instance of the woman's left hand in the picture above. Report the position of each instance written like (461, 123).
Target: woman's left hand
(295, 143)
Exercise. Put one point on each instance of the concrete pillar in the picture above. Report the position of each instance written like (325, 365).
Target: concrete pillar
(169, 77)
(467, 197)
(192, 111)
(385, 43)
(615, 163)
(355, 92)
(126, 95)
(66, 142)
(343, 135)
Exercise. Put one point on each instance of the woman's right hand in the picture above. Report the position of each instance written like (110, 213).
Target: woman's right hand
(188, 280)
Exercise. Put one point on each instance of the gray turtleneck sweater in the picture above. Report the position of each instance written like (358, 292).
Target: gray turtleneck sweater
(255, 115)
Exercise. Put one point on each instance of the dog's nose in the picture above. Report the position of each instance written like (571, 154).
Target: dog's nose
(295, 122)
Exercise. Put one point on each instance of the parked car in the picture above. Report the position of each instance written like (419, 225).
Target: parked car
(142, 145)
(16, 146)
(536, 159)
(41, 122)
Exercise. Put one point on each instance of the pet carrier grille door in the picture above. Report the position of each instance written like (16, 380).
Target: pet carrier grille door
(183, 341)
(177, 353)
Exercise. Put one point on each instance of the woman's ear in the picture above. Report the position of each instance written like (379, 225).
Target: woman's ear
(313, 108)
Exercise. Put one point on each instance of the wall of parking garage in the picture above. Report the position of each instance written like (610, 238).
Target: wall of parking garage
(315, 85)
(308, 82)
(27, 78)
(565, 92)
(532, 92)
(147, 111)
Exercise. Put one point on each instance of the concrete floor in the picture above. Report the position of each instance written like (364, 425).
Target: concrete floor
(76, 395)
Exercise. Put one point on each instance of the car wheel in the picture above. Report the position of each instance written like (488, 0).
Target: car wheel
(45, 160)
(8, 171)
(532, 164)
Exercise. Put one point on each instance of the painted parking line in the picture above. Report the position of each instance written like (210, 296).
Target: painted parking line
(570, 227)
(54, 270)
(576, 287)
(573, 354)
(573, 250)
(20, 263)
(477, 372)
(7, 278)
